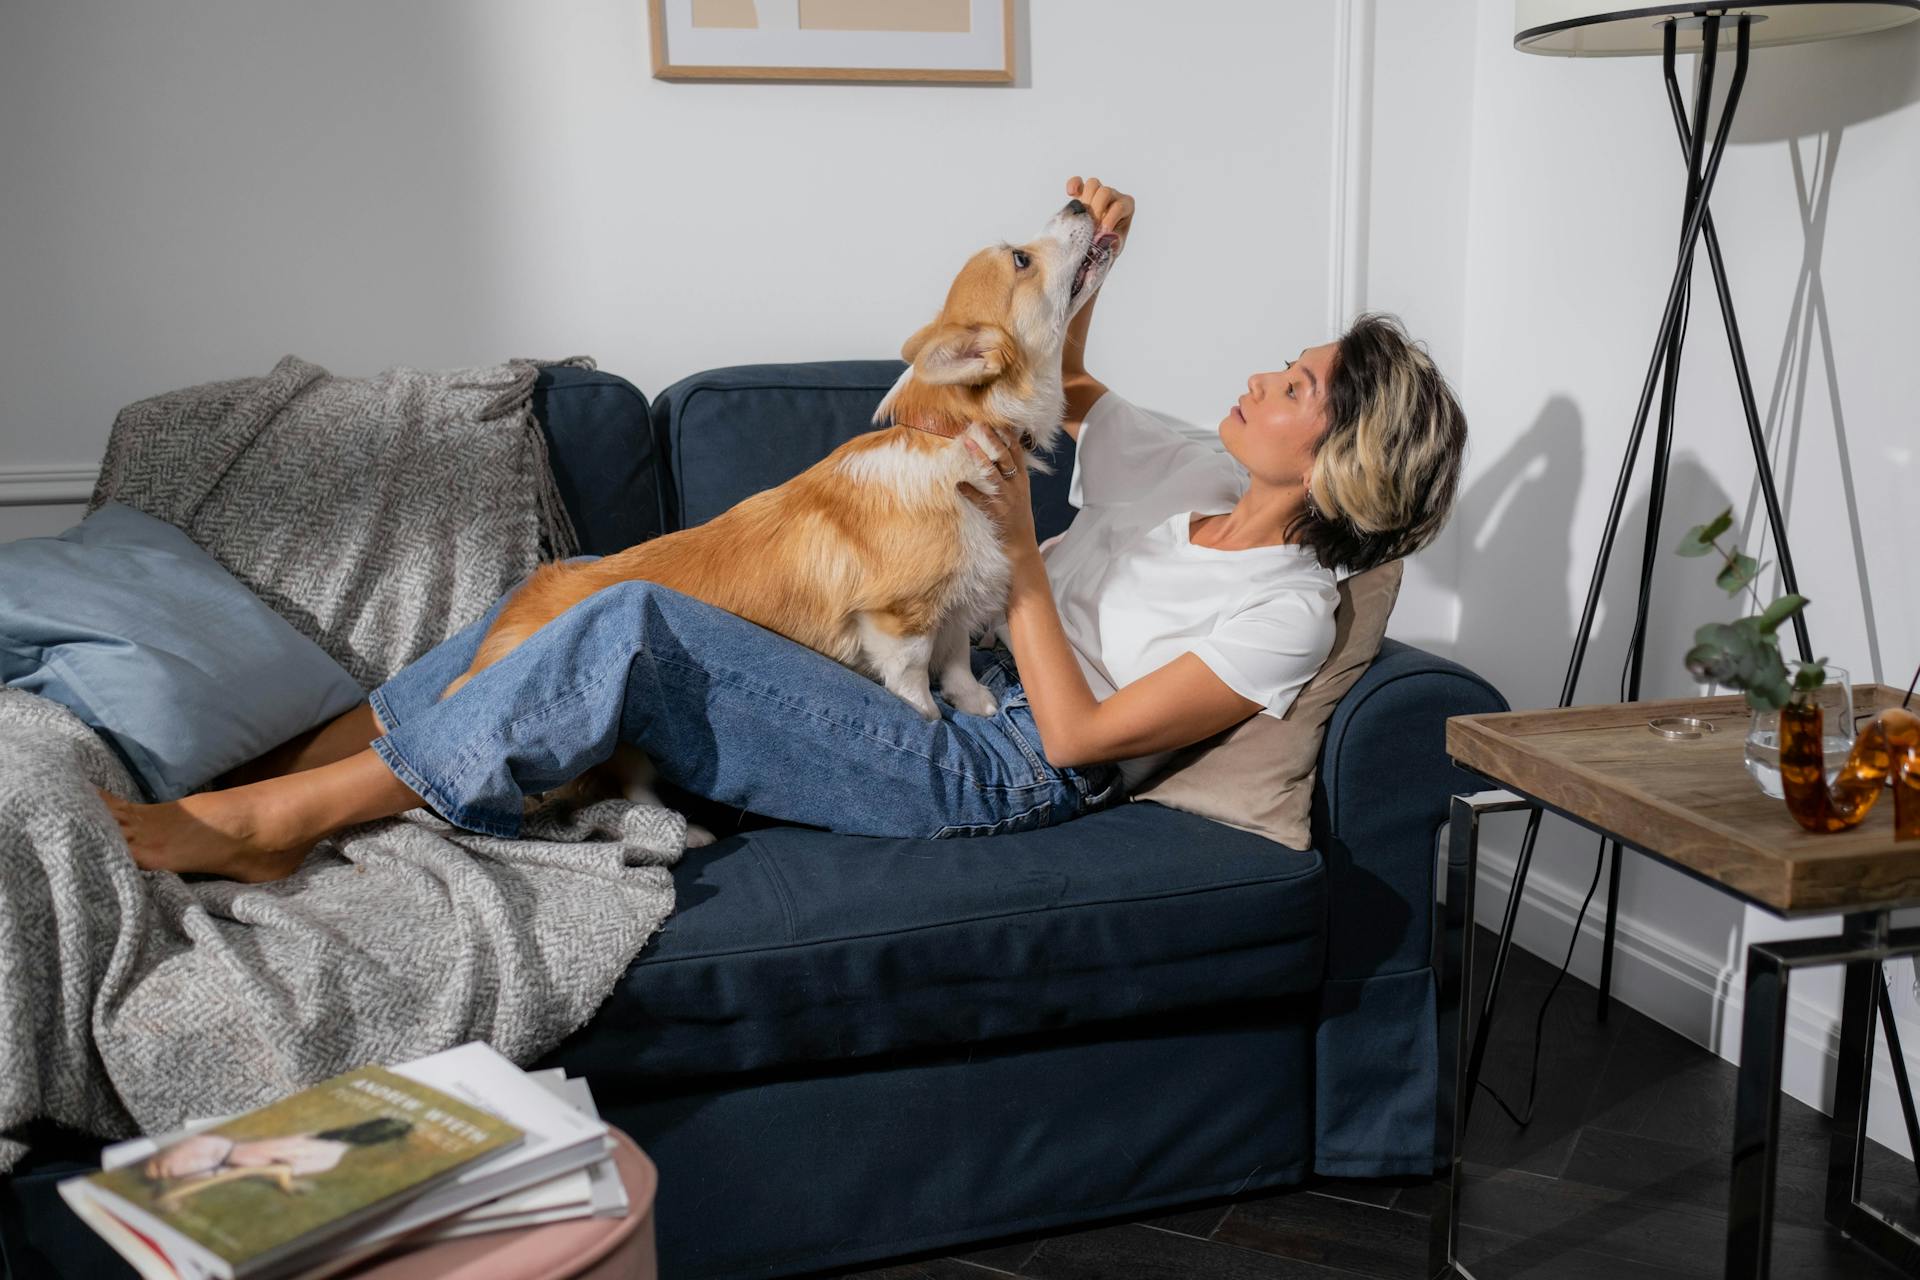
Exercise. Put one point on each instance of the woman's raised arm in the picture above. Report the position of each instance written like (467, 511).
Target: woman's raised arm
(1112, 211)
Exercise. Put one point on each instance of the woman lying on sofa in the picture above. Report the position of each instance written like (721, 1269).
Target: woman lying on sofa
(1193, 589)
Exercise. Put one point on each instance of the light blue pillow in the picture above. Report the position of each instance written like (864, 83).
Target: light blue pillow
(169, 657)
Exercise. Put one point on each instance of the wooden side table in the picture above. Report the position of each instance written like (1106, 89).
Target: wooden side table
(1691, 805)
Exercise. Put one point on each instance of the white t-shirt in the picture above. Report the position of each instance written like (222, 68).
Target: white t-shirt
(1135, 593)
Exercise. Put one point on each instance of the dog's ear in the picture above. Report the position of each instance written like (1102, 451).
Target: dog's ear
(944, 354)
(911, 347)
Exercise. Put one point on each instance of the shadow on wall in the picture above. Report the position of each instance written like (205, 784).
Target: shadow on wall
(1521, 605)
(1514, 525)
(1806, 96)
(1797, 90)
(1781, 423)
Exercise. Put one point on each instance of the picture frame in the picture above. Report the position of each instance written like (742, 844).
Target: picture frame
(898, 41)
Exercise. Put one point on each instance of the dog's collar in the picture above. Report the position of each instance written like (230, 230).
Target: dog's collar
(953, 431)
(946, 430)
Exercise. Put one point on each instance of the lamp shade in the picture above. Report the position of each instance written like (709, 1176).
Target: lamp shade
(1600, 29)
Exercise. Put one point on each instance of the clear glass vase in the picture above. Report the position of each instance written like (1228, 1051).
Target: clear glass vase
(1835, 700)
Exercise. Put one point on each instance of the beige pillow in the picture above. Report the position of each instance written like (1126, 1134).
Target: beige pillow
(1258, 775)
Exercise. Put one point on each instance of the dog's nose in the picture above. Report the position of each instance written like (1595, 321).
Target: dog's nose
(1074, 206)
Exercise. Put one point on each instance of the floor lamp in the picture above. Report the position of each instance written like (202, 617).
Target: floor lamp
(1596, 28)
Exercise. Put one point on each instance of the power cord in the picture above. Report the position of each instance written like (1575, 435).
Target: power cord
(1540, 1019)
(1600, 860)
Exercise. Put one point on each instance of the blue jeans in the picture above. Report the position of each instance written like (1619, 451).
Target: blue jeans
(725, 709)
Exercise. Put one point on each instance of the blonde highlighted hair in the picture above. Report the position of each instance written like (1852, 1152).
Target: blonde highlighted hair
(1387, 469)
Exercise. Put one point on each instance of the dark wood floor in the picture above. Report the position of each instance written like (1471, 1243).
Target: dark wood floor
(1622, 1173)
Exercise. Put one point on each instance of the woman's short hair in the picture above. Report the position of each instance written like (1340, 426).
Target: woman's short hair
(1388, 466)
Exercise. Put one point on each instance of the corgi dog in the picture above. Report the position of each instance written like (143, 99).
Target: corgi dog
(873, 556)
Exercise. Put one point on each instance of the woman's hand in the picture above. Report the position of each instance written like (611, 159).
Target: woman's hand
(1008, 493)
(1113, 216)
(1112, 209)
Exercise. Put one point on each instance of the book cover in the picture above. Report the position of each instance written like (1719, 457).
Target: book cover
(253, 1188)
(595, 1190)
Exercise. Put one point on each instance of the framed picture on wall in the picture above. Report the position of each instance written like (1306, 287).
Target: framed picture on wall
(900, 40)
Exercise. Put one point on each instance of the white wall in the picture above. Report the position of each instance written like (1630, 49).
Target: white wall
(1575, 214)
(1413, 215)
(195, 188)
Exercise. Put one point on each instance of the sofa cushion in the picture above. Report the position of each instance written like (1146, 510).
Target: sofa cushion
(1258, 775)
(729, 433)
(792, 945)
(600, 446)
(143, 635)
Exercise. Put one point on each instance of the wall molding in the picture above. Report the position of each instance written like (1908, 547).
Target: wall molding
(46, 485)
(1691, 993)
(1352, 153)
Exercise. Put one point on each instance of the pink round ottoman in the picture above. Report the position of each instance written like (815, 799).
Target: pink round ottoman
(584, 1249)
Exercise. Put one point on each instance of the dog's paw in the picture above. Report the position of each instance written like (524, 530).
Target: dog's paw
(920, 699)
(974, 700)
(698, 837)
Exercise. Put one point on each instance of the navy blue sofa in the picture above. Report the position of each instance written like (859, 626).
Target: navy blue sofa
(843, 1049)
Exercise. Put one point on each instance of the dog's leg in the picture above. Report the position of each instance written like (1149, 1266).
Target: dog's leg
(636, 775)
(951, 654)
(900, 661)
(626, 775)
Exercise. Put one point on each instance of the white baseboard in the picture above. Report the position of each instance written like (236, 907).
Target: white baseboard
(1686, 990)
(46, 486)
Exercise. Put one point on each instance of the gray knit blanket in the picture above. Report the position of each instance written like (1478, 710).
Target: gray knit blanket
(378, 516)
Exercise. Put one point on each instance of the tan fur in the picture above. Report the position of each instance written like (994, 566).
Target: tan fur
(799, 559)
(812, 557)
(871, 555)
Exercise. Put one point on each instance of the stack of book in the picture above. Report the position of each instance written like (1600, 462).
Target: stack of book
(449, 1145)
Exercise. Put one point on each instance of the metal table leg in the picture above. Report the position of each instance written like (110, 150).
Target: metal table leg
(1864, 945)
(1453, 916)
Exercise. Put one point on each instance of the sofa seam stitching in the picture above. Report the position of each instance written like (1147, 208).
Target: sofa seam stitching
(981, 919)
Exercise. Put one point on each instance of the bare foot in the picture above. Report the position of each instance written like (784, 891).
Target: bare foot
(225, 833)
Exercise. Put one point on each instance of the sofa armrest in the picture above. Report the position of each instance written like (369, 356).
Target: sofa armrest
(1382, 793)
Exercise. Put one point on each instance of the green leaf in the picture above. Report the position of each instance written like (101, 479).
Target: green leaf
(1709, 663)
(1739, 571)
(1810, 676)
(1741, 655)
(1779, 611)
(1699, 539)
(1763, 670)
(1724, 652)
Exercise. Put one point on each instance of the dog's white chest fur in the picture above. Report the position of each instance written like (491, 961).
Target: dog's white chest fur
(971, 591)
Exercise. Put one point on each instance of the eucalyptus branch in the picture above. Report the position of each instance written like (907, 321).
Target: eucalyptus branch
(1745, 654)
(1729, 557)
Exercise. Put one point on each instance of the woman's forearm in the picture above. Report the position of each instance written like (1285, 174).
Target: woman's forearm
(1083, 390)
(1062, 703)
(1073, 352)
